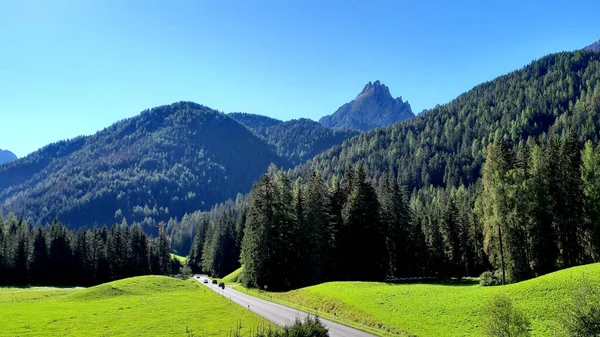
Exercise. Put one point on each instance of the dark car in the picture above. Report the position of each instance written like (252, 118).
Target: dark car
(222, 285)
(214, 281)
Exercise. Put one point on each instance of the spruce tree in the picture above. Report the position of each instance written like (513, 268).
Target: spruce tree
(39, 262)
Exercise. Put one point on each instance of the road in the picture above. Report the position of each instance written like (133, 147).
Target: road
(280, 314)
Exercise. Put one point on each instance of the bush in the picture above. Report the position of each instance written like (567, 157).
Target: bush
(502, 319)
(581, 316)
(310, 327)
(489, 278)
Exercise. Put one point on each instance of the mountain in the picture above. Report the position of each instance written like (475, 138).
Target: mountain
(160, 164)
(594, 46)
(6, 156)
(296, 140)
(447, 145)
(373, 107)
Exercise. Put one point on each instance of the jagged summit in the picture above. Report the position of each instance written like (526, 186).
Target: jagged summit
(594, 46)
(373, 107)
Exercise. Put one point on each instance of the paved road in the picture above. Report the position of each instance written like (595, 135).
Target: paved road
(279, 314)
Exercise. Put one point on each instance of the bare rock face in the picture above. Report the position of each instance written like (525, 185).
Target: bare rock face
(594, 46)
(373, 107)
(6, 156)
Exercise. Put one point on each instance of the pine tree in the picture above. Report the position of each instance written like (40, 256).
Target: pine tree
(542, 239)
(139, 251)
(61, 255)
(366, 260)
(590, 175)
(318, 227)
(395, 217)
(493, 202)
(195, 256)
(256, 251)
(39, 261)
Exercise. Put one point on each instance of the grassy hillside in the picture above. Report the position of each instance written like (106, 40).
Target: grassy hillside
(233, 277)
(430, 310)
(140, 306)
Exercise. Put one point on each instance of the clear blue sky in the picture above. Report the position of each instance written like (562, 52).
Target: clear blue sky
(73, 67)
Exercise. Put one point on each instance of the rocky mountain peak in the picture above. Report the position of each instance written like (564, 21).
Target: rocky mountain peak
(373, 107)
(594, 46)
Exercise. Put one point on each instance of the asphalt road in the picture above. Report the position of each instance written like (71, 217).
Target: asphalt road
(279, 314)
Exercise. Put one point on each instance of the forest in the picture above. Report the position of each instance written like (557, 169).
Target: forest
(56, 256)
(504, 178)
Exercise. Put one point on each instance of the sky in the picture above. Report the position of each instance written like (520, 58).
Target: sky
(73, 67)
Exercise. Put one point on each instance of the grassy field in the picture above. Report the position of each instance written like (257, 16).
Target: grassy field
(179, 257)
(431, 310)
(140, 306)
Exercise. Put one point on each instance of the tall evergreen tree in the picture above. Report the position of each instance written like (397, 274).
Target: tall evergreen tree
(366, 259)
(39, 262)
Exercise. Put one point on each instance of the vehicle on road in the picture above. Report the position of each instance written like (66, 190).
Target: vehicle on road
(222, 285)
(214, 281)
(205, 280)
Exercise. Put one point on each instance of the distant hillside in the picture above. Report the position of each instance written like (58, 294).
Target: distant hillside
(594, 46)
(6, 156)
(373, 107)
(163, 163)
(297, 140)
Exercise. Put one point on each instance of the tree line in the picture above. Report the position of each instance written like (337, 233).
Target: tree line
(536, 210)
(54, 255)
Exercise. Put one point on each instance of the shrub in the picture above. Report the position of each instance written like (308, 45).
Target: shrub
(489, 278)
(310, 327)
(581, 316)
(502, 319)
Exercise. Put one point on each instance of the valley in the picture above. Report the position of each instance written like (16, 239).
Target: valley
(256, 169)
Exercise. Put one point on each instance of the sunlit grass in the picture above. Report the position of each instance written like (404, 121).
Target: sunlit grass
(430, 310)
(140, 306)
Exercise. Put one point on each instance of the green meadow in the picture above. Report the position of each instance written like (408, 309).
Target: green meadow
(431, 310)
(179, 258)
(139, 306)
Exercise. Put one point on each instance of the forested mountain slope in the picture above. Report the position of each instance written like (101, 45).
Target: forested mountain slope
(163, 163)
(254, 122)
(447, 145)
(296, 140)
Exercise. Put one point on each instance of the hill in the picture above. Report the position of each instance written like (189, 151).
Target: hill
(446, 146)
(296, 140)
(6, 156)
(432, 310)
(140, 306)
(160, 164)
(373, 107)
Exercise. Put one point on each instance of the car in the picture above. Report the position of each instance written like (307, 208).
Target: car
(205, 280)
(222, 285)
(214, 281)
